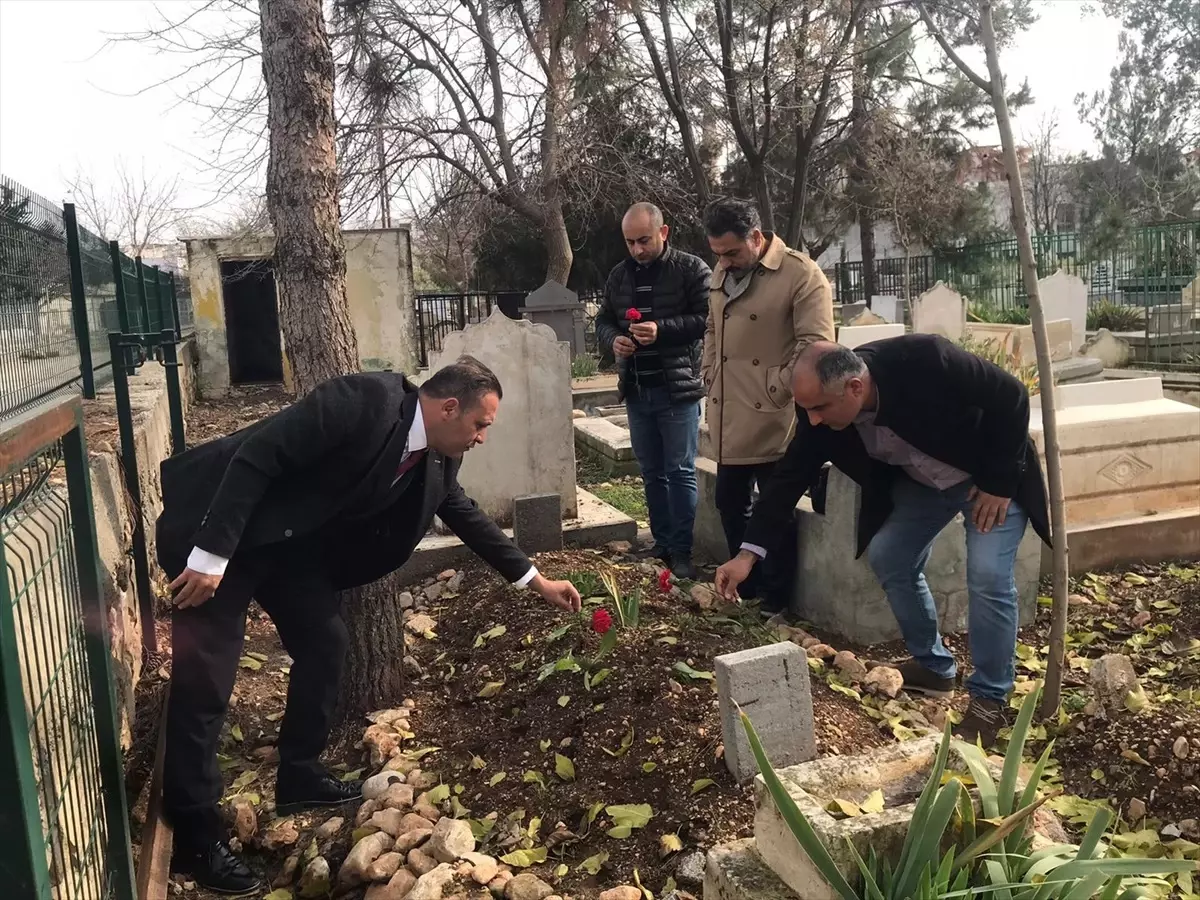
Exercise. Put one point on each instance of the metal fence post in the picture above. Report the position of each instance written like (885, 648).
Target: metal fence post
(160, 292)
(170, 361)
(79, 314)
(424, 359)
(143, 302)
(175, 323)
(129, 467)
(99, 660)
(114, 250)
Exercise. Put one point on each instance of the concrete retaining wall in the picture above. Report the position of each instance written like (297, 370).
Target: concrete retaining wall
(114, 510)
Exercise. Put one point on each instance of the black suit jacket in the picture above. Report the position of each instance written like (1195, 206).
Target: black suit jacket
(320, 473)
(943, 400)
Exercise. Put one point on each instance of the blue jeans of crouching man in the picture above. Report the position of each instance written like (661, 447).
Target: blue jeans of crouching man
(898, 554)
(664, 436)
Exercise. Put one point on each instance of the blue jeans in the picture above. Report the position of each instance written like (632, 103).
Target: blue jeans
(665, 436)
(898, 554)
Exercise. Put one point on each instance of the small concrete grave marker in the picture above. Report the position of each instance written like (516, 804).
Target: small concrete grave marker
(771, 685)
(537, 523)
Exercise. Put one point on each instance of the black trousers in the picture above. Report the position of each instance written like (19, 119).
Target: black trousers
(294, 590)
(770, 580)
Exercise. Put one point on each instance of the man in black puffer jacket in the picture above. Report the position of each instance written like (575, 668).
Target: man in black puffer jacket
(653, 317)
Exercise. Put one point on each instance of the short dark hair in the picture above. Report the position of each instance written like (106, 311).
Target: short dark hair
(836, 363)
(729, 215)
(650, 210)
(466, 379)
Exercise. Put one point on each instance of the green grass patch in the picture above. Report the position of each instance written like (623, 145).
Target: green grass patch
(627, 496)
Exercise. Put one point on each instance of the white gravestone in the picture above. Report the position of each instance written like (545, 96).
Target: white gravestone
(889, 307)
(531, 447)
(856, 335)
(1065, 297)
(940, 310)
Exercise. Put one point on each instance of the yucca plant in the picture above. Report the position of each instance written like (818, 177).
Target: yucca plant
(995, 860)
(1059, 871)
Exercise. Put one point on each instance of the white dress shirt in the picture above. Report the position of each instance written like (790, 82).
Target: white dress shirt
(210, 564)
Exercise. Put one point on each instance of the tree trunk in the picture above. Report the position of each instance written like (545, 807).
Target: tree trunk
(310, 272)
(762, 193)
(866, 238)
(862, 198)
(302, 193)
(559, 255)
(1037, 319)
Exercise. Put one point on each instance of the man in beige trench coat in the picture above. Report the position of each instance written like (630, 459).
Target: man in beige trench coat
(767, 302)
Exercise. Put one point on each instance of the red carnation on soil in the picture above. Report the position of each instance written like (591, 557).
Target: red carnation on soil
(601, 621)
(664, 581)
(633, 314)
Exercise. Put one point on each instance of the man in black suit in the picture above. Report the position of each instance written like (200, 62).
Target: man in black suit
(332, 493)
(928, 430)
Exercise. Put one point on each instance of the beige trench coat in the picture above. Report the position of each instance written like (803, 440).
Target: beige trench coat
(750, 346)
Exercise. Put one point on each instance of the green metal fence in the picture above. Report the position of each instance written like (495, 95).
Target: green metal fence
(1136, 279)
(62, 808)
(61, 296)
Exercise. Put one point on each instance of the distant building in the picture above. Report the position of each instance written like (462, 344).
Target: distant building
(171, 257)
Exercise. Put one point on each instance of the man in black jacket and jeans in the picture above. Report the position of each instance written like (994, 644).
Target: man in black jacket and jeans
(653, 316)
(928, 430)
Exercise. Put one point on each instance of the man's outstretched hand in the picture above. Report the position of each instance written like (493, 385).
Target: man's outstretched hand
(194, 588)
(732, 574)
(558, 593)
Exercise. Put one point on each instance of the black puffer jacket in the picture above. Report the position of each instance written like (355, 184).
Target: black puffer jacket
(679, 304)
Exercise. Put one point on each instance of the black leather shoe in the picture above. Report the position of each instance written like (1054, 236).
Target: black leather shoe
(683, 569)
(215, 867)
(315, 793)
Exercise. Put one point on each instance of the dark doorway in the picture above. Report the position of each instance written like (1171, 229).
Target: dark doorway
(252, 322)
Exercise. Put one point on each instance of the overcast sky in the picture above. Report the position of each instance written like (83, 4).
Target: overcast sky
(66, 100)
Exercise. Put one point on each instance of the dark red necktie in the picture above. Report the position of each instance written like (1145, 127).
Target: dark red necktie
(413, 458)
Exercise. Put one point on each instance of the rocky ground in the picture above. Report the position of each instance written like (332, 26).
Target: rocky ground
(520, 766)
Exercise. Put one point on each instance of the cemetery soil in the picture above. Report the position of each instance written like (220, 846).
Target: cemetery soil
(1150, 614)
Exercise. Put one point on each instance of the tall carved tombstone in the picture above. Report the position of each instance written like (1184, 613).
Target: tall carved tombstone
(559, 307)
(531, 447)
(1065, 297)
(940, 310)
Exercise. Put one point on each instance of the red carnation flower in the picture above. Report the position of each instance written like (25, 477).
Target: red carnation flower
(601, 621)
(664, 581)
(633, 314)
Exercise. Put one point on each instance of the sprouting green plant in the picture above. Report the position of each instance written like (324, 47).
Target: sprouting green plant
(1116, 317)
(628, 606)
(994, 860)
(584, 365)
(1001, 315)
(587, 583)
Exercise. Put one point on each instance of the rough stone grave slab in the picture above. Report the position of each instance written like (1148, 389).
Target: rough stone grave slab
(888, 307)
(531, 448)
(1065, 297)
(899, 770)
(537, 523)
(856, 335)
(940, 310)
(1017, 340)
(850, 310)
(771, 685)
(735, 871)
